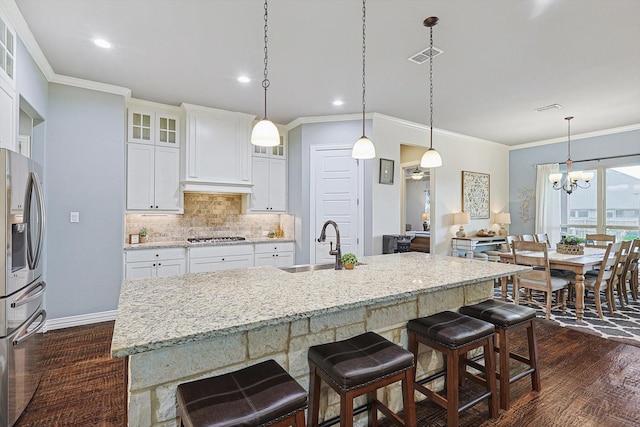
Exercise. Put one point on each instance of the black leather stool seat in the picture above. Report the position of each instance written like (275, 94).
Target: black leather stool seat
(360, 360)
(451, 329)
(254, 396)
(499, 312)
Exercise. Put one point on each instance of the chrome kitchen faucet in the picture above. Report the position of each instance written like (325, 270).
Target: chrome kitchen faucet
(337, 252)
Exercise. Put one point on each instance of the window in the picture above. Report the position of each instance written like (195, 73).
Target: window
(7, 47)
(610, 205)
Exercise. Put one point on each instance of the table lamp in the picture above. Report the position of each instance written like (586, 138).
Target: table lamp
(425, 221)
(503, 218)
(461, 218)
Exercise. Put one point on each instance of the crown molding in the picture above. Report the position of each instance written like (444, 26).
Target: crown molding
(322, 119)
(603, 132)
(16, 20)
(88, 84)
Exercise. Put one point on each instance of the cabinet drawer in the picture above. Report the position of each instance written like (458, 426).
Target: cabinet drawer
(220, 251)
(154, 254)
(264, 248)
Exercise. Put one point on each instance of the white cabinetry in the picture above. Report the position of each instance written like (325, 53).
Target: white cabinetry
(276, 254)
(7, 116)
(269, 176)
(213, 258)
(8, 104)
(153, 161)
(154, 262)
(217, 156)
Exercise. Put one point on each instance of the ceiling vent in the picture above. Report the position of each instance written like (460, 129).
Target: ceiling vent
(547, 108)
(424, 55)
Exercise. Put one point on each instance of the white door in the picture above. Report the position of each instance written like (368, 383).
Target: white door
(336, 189)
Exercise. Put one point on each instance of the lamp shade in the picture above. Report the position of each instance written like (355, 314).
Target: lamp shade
(431, 159)
(503, 218)
(461, 218)
(363, 149)
(425, 216)
(265, 134)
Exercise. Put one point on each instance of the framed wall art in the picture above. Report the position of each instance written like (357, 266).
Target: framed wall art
(386, 171)
(476, 194)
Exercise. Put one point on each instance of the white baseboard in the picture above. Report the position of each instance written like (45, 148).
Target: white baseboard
(82, 319)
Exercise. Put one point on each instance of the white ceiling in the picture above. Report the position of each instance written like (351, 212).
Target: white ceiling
(502, 58)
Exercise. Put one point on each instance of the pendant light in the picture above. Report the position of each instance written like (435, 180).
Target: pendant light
(265, 133)
(571, 183)
(363, 148)
(431, 158)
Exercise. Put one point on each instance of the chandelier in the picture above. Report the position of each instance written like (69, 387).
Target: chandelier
(417, 174)
(572, 181)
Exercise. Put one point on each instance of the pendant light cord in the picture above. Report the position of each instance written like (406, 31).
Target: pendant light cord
(364, 48)
(431, 87)
(265, 82)
(568, 119)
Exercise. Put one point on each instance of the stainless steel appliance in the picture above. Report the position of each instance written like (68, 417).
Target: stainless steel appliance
(394, 243)
(22, 316)
(215, 239)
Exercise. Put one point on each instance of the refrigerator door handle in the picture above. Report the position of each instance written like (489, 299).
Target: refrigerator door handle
(29, 295)
(33, 257)
(20, 338)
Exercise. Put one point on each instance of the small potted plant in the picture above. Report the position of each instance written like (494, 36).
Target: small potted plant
(349, 260)
(570, 245)
(143, 235)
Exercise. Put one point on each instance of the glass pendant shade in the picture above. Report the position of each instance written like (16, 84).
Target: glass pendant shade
(431, 159)
(265, 134)
(363, 149)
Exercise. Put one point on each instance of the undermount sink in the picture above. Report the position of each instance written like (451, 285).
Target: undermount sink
(307, 267)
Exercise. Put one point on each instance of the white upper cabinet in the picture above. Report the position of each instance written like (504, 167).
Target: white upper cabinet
(217, 150)
(153, 158)
(8, 99)
(269, 177)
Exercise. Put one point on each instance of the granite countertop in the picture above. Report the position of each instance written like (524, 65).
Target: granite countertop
(185, 244)
(161, 312)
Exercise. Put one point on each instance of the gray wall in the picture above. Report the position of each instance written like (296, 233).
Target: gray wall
(522, 165)
(300, 139)
(85, 173)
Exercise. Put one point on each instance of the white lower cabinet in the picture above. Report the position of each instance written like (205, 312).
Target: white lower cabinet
(276, 254)
(213, 258)
(155, 263)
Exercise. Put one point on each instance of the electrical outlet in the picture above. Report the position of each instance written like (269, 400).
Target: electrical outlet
(74, 216)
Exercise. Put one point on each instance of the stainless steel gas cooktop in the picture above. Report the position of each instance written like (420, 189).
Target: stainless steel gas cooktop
(215, 239)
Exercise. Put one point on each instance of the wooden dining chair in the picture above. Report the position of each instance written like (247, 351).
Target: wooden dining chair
(607, 278)
(542, 238)
(540, 279)
(528, 238)
(510, 239)
(630, 272)
(599, 240)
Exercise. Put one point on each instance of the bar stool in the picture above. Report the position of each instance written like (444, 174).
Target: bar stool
(356, 366)
(455, 334)
(509, 317)
(260, 395)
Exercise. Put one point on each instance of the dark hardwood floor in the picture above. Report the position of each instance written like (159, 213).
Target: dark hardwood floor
(586, 381)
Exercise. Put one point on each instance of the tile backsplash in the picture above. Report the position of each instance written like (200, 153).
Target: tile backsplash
(207, 215)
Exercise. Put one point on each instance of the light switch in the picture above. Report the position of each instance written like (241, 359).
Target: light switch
(74, 216)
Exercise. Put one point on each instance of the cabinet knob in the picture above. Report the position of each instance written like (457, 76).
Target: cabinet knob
(151, 206)
(156, 207)
(154, 265)
(159, 264)
(222, 259)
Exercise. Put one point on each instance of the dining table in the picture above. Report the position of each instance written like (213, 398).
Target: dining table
(578, 264)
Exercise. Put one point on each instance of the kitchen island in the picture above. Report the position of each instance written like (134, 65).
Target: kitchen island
(180, 328)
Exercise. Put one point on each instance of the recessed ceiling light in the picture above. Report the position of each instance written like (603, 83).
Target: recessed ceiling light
(547, 108)
(102, 43)
(244, 79)
(337, 102)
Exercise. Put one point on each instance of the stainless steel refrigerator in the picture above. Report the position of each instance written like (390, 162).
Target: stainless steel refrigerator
(22, 288)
